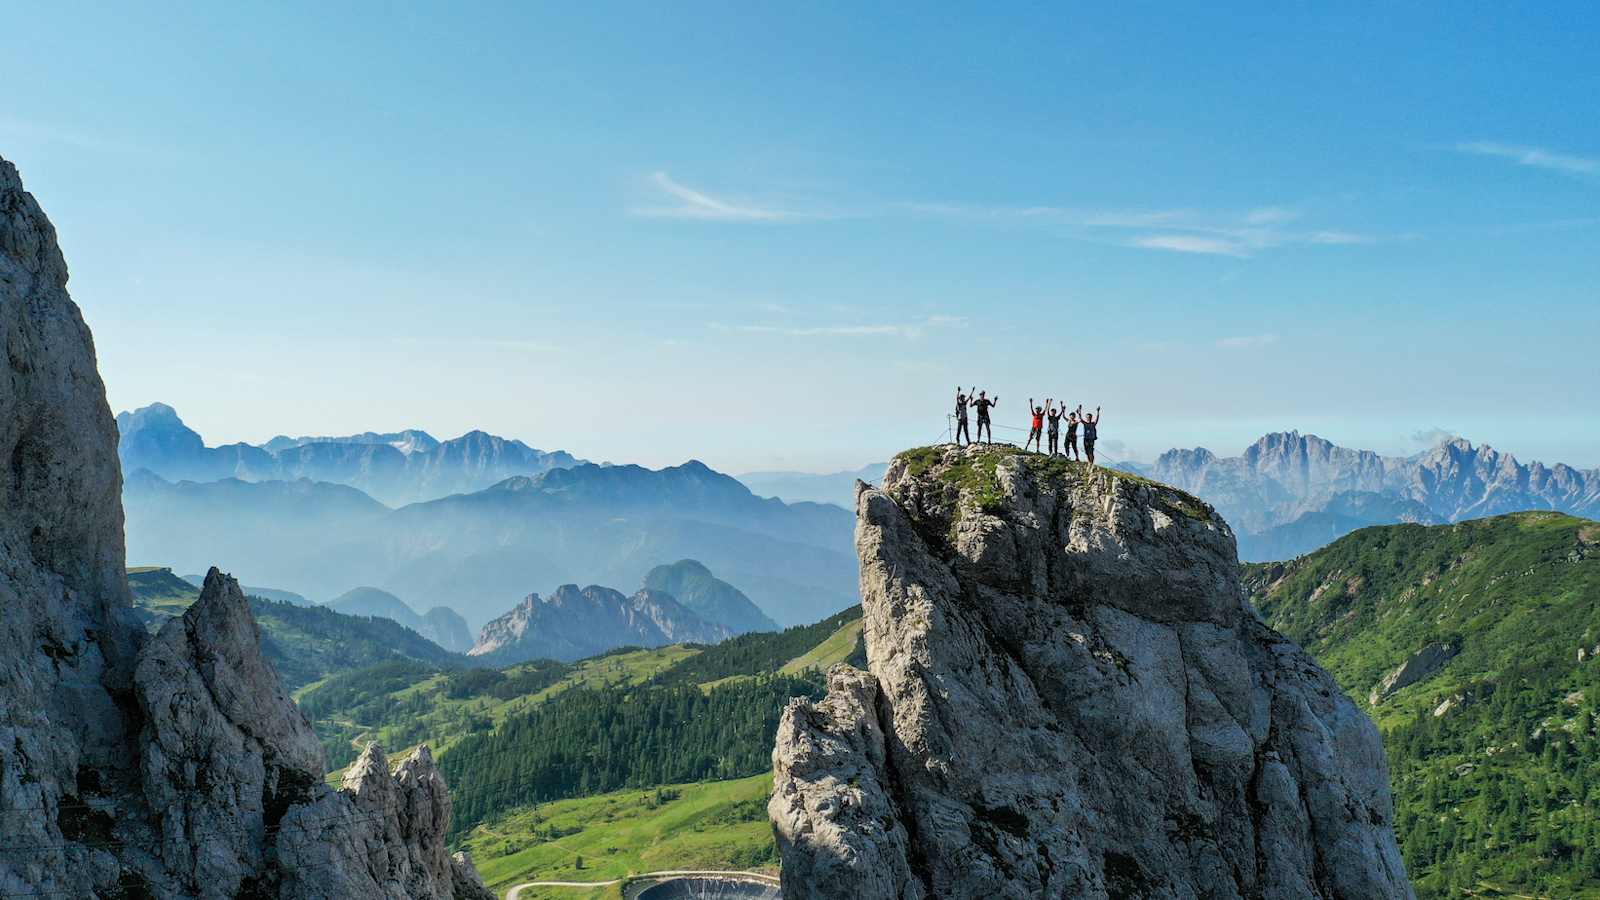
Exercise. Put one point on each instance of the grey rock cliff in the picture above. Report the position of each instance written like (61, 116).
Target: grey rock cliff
(1068, 698)
(1417, 666)
(167, 766)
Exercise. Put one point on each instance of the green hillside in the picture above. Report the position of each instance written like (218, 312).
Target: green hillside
(1493, 749)
(304, 643)
(402, 705)
(635, 760)
(715, 825)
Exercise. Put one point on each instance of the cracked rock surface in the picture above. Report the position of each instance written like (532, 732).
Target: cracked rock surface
(172, 766)
(1068, 697)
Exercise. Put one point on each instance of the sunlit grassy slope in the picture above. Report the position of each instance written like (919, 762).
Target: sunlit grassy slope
(715, 825)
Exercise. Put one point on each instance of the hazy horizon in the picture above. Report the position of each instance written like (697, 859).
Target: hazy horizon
(779, 238)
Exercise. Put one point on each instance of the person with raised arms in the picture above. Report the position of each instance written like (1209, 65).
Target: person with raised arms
(1036, 431)
(1091, 433)
(1053, 415)
(962, 401)
(983, 404)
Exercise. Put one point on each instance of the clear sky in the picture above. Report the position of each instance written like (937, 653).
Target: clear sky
(778, 235)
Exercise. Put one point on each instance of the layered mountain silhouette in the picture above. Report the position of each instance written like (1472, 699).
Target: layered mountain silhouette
(394, 468)
(708, 596)
(838, 488)
(440, 624)
(477, 552)
(1289, 493)
(574, 622)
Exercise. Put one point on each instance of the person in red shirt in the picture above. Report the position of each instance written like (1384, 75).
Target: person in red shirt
(1037, 431)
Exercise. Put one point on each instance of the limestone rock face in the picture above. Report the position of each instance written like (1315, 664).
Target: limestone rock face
(1069, 698)
(169, 767)
(1417, 666)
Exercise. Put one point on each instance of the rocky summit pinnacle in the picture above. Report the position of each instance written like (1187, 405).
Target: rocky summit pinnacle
(1068, 697)
(172, 766)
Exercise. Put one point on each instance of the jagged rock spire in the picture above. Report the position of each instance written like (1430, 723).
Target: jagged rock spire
(1069, 698)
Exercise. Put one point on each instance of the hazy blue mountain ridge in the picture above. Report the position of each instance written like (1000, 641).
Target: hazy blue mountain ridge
(394, 468)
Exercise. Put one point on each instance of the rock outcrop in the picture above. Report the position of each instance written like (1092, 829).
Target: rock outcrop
(1417, 666)
(1069, 698)
(137, 766)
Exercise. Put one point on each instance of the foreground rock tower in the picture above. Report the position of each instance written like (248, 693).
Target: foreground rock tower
(1069, 698)
(172, 766)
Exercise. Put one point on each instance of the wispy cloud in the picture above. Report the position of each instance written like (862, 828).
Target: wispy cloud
(1270, 215)
(695, 204)
(1538, 157)
(1239, 234)
(913, 329)
(1191, 243)
(1247, 341)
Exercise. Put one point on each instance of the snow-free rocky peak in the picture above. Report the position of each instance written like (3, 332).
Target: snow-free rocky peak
(1068, 698)
(172, 766)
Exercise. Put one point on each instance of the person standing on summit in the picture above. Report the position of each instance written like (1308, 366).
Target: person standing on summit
(1073, 420)
(961, 416)
(1091, 433)
(984, 404)
(1054, 417)
(1035, 431)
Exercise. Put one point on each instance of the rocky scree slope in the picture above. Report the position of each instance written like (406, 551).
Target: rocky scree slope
(1067, 697)
(166, 766)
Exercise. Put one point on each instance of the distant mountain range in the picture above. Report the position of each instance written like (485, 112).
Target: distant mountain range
(1289, 493)
(394, 468)
(573, 623)
(838, 488)
(477, 552)
(440, 624)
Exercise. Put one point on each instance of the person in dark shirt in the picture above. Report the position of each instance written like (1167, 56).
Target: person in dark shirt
(1036, 431)
(1073, 418)
(1053, 415)
(962, 400)
(983, 404)
(1091, 433)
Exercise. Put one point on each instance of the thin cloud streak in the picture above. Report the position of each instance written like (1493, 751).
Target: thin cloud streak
(1537, 157)
(1190, 243)
(905, 330)
(1247, 341)
(1239, 235)
(695, 204)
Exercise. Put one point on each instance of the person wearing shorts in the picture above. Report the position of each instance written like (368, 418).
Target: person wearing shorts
(1036, 432)
(1053, 417)
(1072, 432)
(1091, 433)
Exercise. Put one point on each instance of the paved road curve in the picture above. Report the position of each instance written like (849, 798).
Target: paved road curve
(516, 892)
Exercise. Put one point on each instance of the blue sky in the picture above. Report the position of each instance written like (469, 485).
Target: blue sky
(777, 236)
